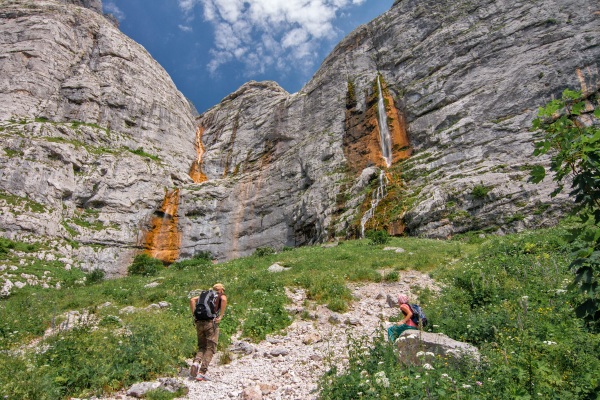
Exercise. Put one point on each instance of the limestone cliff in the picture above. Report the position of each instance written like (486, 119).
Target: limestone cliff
(103, 155)
(462, 82)
(92, 133)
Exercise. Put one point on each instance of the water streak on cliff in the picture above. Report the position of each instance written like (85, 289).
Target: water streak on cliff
(163, 240)
(384, 131)
(196, 169)
(376, 197)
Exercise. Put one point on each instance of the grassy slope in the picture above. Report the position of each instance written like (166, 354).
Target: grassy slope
(486, 285)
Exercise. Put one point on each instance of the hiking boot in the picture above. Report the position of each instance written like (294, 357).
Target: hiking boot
(201, 378)
(194, 370)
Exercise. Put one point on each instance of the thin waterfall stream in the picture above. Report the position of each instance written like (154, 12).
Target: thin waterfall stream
(384, 130)
(376, 197)
(386, 152)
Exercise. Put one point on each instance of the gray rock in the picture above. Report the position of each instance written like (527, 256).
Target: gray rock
(277, 268)
(171, 385)
(279, 351)
(251, 393)
(391, 301)
(139, 390)
(415, 346)
(86, 97)
(243, 347)
(94, 130)
(335, 319)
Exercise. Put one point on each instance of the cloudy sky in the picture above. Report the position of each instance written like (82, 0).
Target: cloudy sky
(212, 47)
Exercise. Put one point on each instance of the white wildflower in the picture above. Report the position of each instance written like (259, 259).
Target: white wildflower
(420, 353)
(381, 379)
(417, 376)
(428, 366)
(466, 386)
(429, 353)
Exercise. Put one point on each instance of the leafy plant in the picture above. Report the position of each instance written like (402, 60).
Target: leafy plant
(480, 191)
(97, 275)
(144, 265)
(377, 237)
(575, 149)
(264, 251)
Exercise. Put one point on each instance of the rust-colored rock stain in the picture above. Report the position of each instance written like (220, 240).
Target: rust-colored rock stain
(163, 239)
(196, 169)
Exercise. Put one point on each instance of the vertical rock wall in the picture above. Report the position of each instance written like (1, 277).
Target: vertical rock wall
(92, 131)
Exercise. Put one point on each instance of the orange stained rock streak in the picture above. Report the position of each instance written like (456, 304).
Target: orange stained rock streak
(397, 126)
(163, 240)
(196, 169)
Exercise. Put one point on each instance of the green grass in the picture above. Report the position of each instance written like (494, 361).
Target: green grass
(483, 302)
(22, 202)
(510, 300)
(140, 152)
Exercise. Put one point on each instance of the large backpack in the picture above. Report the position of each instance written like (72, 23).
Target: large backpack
(418, 315)
(206, 306)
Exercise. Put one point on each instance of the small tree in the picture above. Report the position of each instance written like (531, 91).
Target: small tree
(572, 137)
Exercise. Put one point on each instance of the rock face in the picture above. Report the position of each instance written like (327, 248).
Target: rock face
(102, 154)
(461, 81)
(95, 5)
(93, 133)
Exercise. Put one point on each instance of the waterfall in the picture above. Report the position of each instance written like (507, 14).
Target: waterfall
(377, 196)
(384, 131)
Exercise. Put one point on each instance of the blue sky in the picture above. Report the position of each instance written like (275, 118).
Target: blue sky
(212, 47)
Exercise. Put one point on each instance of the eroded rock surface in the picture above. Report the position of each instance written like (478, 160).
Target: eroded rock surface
(95, 137)
(92, 132)
(463, 79)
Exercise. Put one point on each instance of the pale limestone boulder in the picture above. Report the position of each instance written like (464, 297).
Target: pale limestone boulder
(417, 347)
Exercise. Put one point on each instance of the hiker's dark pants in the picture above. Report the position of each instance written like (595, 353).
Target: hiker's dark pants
(208, 337)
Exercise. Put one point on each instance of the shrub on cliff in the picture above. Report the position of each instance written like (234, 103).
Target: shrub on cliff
(144, 265)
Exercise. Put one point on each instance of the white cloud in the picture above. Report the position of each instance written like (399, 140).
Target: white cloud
(185, 28)
(111, 8)
(283, 34)
(187, 5)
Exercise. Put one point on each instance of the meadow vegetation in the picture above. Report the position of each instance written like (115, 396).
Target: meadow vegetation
(506, 295)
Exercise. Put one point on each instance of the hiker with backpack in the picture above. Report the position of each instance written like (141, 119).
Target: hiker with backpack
(410, 320)
(208, 309)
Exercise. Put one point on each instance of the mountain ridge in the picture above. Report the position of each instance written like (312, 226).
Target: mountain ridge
(108, 143)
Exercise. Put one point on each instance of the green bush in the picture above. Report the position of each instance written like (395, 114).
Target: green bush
(144, 265)
(97, 275)
(204, 256)
(391, 276)
(377, 237)
(264, 251)
(510, 300)
(480, 191)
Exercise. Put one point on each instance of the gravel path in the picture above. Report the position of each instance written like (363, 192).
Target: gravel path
(288, 366)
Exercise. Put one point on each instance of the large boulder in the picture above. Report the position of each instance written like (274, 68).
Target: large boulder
(415, 347)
